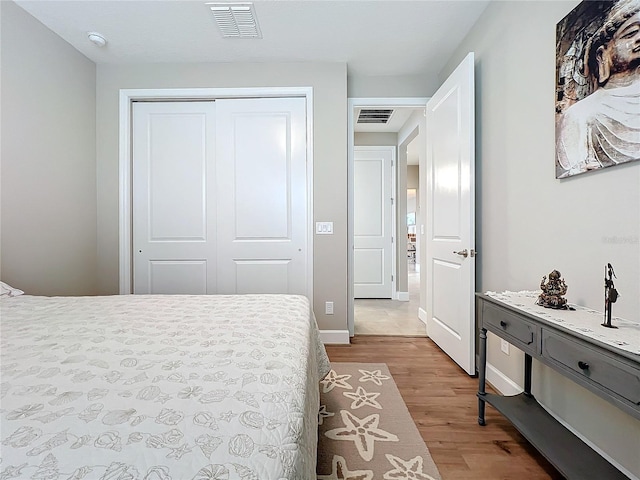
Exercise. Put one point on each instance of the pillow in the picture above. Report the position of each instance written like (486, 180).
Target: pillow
(8, 291)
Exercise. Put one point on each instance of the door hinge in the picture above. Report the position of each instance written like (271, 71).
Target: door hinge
(391, 239)
(391, 200)
(392, 278)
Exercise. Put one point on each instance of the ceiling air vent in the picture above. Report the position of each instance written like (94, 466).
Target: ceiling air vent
(379, 116)
(236, 20)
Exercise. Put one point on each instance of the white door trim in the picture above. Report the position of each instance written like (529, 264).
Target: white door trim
(128, 96)
(417, 102)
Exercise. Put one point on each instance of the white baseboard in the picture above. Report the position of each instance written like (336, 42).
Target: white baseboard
(422, 315)
(402, 296)
(503, 384)
(334, 337)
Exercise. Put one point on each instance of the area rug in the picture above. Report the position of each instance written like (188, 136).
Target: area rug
(365, 429)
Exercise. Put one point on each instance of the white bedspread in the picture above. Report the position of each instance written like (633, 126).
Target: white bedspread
(159, 387)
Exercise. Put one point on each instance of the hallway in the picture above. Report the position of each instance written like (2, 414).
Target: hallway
(391, 317)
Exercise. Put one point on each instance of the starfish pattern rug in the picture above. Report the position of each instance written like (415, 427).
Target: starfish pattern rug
(365, 431)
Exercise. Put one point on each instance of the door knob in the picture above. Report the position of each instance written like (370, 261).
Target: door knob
(463, 253)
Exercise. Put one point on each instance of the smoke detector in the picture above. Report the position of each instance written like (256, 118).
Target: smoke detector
(97, 39)
(236, 20)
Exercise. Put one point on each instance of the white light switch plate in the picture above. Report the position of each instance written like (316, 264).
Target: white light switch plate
(504, 346)
(324, 228)
(328, 308)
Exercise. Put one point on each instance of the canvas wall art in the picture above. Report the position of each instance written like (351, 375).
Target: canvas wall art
(598, 86)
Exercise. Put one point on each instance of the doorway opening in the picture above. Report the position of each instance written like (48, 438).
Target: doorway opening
(403, 129)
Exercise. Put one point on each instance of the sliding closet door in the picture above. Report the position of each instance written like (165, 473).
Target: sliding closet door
(262, 198)
(174, 200)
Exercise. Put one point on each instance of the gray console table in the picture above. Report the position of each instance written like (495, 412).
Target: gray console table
(580, 352)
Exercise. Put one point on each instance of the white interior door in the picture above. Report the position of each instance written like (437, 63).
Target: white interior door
(450, 237)
(262, 197)
(372, 222)
(174, 232)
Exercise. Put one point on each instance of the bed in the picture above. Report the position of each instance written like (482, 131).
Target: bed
(159, 387)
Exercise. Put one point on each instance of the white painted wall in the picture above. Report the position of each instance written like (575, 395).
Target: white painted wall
(413, 181)
(529, 223)
(374, 139)
(48, 181)
(363, 86)
(413, 176)
(329, 82)
(417, 123)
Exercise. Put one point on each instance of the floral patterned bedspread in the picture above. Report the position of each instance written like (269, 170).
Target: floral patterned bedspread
(159, 387)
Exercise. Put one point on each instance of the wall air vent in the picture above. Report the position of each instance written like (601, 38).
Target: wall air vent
(378, 116)
(236, 20)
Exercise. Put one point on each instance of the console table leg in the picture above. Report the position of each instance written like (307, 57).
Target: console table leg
(482, 369)
(527, 374)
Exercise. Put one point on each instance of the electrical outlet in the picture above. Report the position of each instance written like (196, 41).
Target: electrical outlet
(504, 346)
(328, 308)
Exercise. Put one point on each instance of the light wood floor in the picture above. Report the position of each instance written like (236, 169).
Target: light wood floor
(442, 401)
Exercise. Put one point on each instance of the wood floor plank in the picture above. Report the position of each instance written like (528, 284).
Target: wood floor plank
(441, 398)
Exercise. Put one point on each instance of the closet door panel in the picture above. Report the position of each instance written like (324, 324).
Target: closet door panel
(220, 196)
(174, 233)
(250, 276)
(262, 207)
(262, 199)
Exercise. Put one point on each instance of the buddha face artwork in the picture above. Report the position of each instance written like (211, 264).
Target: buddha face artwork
(598, 86)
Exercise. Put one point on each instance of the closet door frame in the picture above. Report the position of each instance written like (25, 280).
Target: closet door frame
(128, 96)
